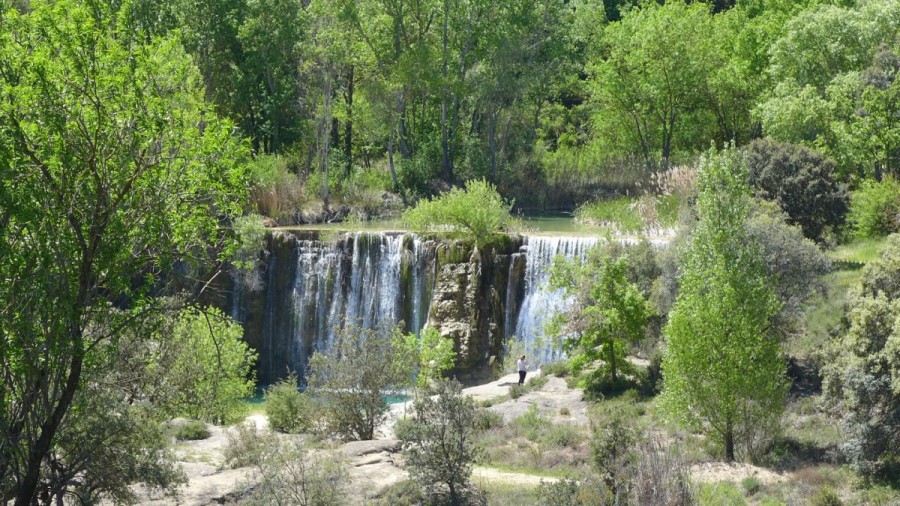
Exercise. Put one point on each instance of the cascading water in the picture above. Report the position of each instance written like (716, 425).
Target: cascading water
(313, 286)
(540, 302)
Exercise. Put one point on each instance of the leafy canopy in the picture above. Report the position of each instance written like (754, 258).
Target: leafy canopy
(477, 212)
(723, 373)
(609, 313)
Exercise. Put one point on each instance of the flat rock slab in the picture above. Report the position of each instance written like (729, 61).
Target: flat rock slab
(361, 448)
(555, 401)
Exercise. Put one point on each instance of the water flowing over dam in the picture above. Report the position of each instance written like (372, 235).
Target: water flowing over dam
(313, 282)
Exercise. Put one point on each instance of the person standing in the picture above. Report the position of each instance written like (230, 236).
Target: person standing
(522, 366)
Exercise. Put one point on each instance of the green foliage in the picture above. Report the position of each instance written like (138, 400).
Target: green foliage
(723, 374)
(488, 420)
(286, 471)
(751, 485)
(516, 391)
(609, 312)
(476, 211)
(862, 376)
(560, 368)
(801, 182)
(826, 497)
(439, 444)
(193, 430)
(431, 354)
(351, 379)
(875, 208)
(720, 494)
(288, 409)
(795, 265)
(113, 169)
(205, 366)
(616, 213)
(247, 249)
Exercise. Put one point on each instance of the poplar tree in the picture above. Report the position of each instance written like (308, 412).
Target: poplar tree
(723, 373)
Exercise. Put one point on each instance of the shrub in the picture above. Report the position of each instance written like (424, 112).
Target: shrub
(288, 409)
(204, 366)
(559, 368)
(562, 436)
(661, 477)
(193, 430)
(516, 391)
(439, 443)
(794, 263)
(564, 411)
(619, 214)
(531, 424)
(751, 485)
(863, 369)
(613, 450)
(245, 443)
(537, 382)
(826, 497)
(350, 380)
(487, 420)
(720, 494)
(875, 208)
(404, 493)
(801, 182)
(274, 189)
(477, 212)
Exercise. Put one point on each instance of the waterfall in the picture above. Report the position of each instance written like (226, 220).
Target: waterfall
(314, 284)
(540, 303)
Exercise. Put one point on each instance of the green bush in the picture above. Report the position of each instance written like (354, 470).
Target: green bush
(289, 410)
(193, 430)
(404, 493)
(204, 366)
(619, 213)
(487, 420)
(875, 208)
(720, 494)
(274, 189)
(801, 182)
(562, 436)
(826, 497)
(516, 391)
(531, 424)
(537, 382)
(559, 368)
(751, 485)
(477, 212)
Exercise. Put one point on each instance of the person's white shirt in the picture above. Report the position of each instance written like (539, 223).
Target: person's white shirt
(522, 366)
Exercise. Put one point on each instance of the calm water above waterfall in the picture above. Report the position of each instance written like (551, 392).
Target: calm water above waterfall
(312, 284)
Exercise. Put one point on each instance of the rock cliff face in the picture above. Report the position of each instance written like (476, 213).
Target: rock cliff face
(312, 283)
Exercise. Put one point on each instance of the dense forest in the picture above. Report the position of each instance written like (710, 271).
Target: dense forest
(554, 101)
(148, 147)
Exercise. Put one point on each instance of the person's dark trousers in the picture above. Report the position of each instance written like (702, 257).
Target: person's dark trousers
(521, 377)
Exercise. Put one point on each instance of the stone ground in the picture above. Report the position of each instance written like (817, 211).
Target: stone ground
(373, 466)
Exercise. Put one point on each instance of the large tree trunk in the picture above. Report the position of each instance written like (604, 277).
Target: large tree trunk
(41, 448)
(729, 443)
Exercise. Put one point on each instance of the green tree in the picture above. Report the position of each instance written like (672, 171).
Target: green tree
(862, 377)
(723, 373)
(476, 211)
(649, 81)
(352, 378)
(202, 367)
(430, 353)
(609, 313)
(801, 182)
(113, 170)
(439, 442)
